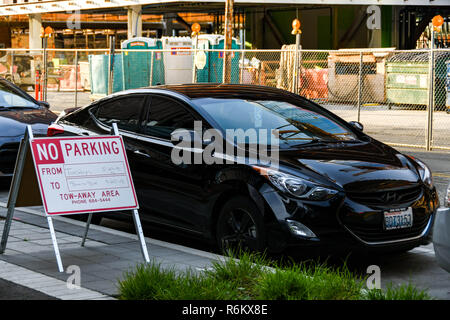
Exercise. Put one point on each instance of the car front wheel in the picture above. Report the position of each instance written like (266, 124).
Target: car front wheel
(240, 227)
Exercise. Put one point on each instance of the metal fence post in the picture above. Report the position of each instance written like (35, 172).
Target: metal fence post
(430, 95)
(76, 78)
(112, 47)
(242, 68)
(360, 84)
(194, 67)
(45, 69)
(12, 66)
(295, 74)
(151, 68)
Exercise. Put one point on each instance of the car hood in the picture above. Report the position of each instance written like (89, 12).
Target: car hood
(358, 168)
(13, 123)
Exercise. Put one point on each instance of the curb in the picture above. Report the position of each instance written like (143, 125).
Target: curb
(45, 284)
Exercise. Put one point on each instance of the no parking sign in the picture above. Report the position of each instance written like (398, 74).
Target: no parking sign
(83, 174)
(72, 175)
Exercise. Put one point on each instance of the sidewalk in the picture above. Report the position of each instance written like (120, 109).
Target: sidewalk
(29, 259)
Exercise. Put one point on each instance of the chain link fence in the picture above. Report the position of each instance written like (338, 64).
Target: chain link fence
(387, 90)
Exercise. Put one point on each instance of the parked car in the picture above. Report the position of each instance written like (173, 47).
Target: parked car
(441, 234)
(17, 110)
(21, 69)
(333, 185)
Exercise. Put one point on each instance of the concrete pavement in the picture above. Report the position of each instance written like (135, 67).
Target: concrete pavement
(29, 259)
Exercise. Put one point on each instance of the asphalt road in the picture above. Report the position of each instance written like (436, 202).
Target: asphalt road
(12, 291)
(417, 266)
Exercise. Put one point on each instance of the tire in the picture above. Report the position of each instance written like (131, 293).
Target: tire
(240, 227)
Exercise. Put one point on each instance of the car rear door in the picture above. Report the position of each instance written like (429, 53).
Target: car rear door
(171, 194)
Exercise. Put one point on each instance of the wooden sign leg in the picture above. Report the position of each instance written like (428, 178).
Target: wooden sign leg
(140, 233)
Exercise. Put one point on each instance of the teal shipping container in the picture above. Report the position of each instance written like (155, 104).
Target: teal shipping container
(138, 67)
(98, 73)
(213, 69)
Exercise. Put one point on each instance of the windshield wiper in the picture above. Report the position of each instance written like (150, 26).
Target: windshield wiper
(325, 142)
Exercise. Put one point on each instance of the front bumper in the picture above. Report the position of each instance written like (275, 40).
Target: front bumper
(344, 224)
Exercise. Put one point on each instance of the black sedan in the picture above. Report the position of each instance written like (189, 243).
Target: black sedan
(314, 179)
(17, 110)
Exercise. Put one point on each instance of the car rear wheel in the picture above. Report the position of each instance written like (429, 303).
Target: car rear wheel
(240, 227)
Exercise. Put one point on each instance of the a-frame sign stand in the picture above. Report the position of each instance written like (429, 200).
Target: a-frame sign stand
(25, 191)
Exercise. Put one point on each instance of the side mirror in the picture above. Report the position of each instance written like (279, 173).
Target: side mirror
(357, 125)
(70, 110)
(44, 104)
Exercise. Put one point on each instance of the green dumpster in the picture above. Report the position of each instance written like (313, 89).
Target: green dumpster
(213, 69)
(98, 73)
(407, 79)
(138, 67)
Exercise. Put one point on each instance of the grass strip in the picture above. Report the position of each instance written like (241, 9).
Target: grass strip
(251, 277)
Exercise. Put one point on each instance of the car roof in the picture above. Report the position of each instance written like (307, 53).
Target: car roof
(189, 92)
(208, 90)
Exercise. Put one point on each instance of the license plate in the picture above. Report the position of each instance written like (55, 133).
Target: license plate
(398, 219)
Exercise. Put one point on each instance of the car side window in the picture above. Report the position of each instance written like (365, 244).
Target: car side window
(166, 115)
(126, 112)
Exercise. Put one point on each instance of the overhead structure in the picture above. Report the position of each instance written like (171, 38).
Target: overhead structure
(263, 24)
(35, 26)
(53, 6)
(134, 22)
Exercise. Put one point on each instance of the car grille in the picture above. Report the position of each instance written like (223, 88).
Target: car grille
(8, 155)
(376, 233)
(395, 197)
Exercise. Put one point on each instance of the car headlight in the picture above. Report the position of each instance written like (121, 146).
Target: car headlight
(425, 172)
(295, 186)
(447, 198)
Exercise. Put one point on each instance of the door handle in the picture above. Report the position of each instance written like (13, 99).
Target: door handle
(139, 152)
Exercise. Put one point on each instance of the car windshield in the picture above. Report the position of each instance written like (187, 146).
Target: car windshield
(291, 124)
(11, 98)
